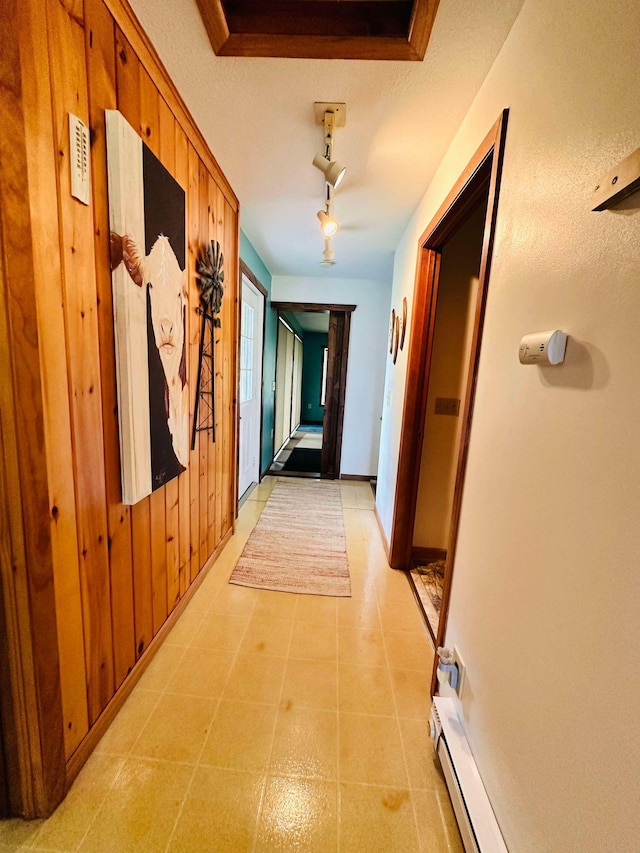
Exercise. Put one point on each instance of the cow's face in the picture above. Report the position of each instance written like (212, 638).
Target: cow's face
(160, 271)
(166, 285)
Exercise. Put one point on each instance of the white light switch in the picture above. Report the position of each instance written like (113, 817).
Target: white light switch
(79, 158)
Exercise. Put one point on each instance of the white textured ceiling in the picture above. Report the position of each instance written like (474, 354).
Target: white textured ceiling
(257, 116)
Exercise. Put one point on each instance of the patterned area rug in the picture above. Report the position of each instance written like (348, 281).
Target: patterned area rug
(298, 544)
(428, 580)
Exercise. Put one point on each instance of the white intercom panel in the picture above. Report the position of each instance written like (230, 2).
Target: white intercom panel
(79, 158)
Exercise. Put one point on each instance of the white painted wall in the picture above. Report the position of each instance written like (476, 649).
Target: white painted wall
(367, 353)
(547, 583)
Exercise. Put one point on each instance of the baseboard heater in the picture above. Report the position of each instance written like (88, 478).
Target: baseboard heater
(477, 823)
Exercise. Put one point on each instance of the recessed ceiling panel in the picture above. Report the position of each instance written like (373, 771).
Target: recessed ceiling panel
(320, 29)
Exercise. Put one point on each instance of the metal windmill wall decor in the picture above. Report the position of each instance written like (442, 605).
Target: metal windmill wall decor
(210, 279)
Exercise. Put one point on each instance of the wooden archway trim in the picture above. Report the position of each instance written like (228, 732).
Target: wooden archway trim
(339, 332)
(480, 179)
(313, 306)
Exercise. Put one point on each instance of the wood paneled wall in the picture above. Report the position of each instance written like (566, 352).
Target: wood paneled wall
(114, 574)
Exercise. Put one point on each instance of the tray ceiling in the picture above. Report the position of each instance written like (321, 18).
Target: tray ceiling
(320, 29)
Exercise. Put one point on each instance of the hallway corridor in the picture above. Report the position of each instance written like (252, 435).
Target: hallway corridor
(271, 722)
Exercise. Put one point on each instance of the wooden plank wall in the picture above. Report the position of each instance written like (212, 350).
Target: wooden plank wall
(119, 572)
(29, 671)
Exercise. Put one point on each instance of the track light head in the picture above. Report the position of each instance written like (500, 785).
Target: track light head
(332, 170)
(327, 223)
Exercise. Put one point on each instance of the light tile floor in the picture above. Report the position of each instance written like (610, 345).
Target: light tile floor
(270, 722)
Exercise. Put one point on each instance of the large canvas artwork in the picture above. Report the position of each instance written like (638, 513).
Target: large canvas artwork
(147, 222)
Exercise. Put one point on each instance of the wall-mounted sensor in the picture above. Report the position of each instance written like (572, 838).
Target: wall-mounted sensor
(543, 348)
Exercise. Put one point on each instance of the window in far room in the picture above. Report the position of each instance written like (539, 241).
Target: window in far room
(323, 384)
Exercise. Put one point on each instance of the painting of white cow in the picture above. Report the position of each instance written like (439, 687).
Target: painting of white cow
(147, 223)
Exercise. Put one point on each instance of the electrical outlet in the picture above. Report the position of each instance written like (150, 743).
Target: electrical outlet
(447, 406)
(461, 670)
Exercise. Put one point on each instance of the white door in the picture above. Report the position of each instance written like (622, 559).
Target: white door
(251, 323)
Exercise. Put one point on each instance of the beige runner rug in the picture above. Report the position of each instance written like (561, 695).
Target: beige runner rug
(298, 544)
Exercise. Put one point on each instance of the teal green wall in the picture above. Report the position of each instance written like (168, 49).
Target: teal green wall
(255, 263)
(312, 375)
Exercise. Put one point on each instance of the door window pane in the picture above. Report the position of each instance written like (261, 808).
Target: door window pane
(246, 353)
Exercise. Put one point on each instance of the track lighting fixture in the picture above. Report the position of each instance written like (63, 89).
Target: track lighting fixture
(328, 254)
(331, 116)
(332, 170)
(327, 223)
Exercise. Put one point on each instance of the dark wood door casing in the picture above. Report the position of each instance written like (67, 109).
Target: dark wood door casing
(480, 181)
(339, 328)
(332, 426)
(4, 788)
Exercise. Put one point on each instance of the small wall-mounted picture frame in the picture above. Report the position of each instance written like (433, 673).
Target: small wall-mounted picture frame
(396, 338)
(392, 330)
(403, 330)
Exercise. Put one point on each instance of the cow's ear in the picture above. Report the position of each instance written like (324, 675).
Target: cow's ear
(115, 250)
(133, 259)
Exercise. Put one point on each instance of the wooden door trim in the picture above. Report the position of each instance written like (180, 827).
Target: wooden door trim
(481, 178)
(244, 270)
(457, 206)
(331, 457)
(346, 331)
(333, 422)
(312, 307)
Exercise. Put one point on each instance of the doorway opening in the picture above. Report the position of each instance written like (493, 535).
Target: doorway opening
(448, 377)
(311, 370)
(436, 421)
(292, 455)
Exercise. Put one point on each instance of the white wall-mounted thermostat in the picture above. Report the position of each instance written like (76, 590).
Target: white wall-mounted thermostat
(79, 158)
(543, 347)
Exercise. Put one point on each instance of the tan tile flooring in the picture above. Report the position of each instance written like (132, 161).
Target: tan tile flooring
(270, 722)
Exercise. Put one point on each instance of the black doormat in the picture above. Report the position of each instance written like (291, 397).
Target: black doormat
(303, 459)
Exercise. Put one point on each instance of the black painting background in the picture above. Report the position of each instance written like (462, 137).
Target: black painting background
(164, 213)
(164, 206)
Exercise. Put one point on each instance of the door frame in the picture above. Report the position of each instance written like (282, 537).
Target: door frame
(332, 425)
(244, 270)
(479, 180)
